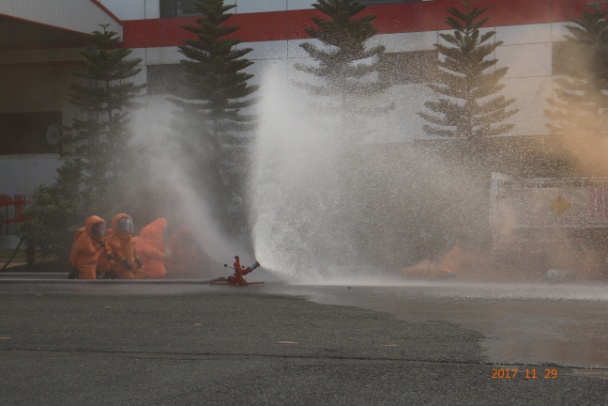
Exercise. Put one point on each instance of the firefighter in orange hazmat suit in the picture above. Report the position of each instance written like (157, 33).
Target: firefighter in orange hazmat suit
(185, 260)
(152, 249)
(124, 262)
(89, 244)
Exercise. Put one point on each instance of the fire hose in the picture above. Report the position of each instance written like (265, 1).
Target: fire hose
(12, 256)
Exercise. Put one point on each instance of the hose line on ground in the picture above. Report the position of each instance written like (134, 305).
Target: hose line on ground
(12, 256)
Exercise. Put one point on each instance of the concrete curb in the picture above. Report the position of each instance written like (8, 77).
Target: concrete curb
(111, 281)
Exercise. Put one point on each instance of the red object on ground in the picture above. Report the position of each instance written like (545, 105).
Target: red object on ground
(236, 279)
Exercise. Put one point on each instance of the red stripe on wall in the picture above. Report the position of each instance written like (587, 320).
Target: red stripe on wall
(566, 10)
(264, 27)
(404, 17)
(391, 18)
(297, 21)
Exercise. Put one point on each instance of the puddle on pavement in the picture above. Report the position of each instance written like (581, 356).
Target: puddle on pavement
(535, 325)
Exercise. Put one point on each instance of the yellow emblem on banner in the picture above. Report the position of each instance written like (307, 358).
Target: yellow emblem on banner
(560, 205)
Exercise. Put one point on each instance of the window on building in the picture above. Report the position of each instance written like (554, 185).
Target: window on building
(408, 67)
(181, 8)
(177, 8)
(390, 1)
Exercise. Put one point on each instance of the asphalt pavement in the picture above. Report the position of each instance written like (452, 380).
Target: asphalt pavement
(192, 344)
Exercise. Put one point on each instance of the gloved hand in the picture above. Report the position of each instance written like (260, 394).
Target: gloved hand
(138, 263)
(125, 264)
(110, 256)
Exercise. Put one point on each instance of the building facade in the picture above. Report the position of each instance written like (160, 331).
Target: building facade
(40, 45)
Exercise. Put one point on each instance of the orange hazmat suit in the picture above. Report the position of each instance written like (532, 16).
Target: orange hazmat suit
(152, 250)
(119, 241)
(185, 259)
(89, 244)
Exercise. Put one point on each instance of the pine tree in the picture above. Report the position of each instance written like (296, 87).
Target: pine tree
(580, 107)
(344, 78)
(466, 76)
(55, 213)
(469, 110)
(346, 69)
(91, 180)
(101, 139)
(212, 101)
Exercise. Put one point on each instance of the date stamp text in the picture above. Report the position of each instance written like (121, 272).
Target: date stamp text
(524, 373)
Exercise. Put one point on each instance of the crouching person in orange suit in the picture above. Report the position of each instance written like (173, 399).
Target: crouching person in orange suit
(122, 261)
(89, 244)
(152, 249)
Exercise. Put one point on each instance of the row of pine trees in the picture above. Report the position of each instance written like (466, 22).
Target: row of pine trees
(213, 132)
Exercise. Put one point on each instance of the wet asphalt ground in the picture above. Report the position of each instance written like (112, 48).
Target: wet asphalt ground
(193, 344)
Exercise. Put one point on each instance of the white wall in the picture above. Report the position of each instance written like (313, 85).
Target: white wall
(21, 174)
(73, 15)
(527, 52)
(150, 9)
(133, 9)
(127, 10)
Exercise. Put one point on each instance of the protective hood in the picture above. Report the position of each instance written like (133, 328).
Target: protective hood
(95, 222)
(155, 230)
(122, 223)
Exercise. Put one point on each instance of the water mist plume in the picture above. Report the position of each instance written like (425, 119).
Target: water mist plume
(327, 208)
(168, 175)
